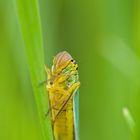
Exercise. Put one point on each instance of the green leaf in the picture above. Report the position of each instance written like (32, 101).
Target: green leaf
(29, 22)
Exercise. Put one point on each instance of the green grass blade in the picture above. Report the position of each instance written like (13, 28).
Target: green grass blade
(29, 22)
(129, 119)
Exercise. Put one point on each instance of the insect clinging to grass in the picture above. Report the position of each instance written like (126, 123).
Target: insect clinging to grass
(62, 85)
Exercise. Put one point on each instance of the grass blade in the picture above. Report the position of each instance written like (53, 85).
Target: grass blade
(129, 119)
(29, 21)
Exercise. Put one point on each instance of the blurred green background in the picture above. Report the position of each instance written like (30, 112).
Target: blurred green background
(104, 38)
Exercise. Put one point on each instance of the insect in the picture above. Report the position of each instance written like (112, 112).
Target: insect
(62, 85)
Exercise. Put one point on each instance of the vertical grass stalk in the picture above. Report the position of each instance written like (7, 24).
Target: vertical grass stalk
(29, 22)
(129, 119)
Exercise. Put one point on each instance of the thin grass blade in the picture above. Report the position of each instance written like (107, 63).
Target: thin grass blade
(29, 22)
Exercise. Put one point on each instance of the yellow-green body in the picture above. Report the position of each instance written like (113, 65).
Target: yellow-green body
(63, 125)
(62, 88)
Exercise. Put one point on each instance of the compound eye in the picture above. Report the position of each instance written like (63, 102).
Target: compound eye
(72, 60)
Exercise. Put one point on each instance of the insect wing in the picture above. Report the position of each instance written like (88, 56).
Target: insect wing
(76, 115)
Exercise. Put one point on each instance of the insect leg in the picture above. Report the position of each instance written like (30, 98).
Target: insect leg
(48, 71)
(70, 93)
(58, 102)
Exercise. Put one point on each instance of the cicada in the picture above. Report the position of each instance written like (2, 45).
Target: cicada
(62, 85)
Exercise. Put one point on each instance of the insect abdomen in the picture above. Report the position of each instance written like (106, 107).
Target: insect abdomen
(64, 126)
